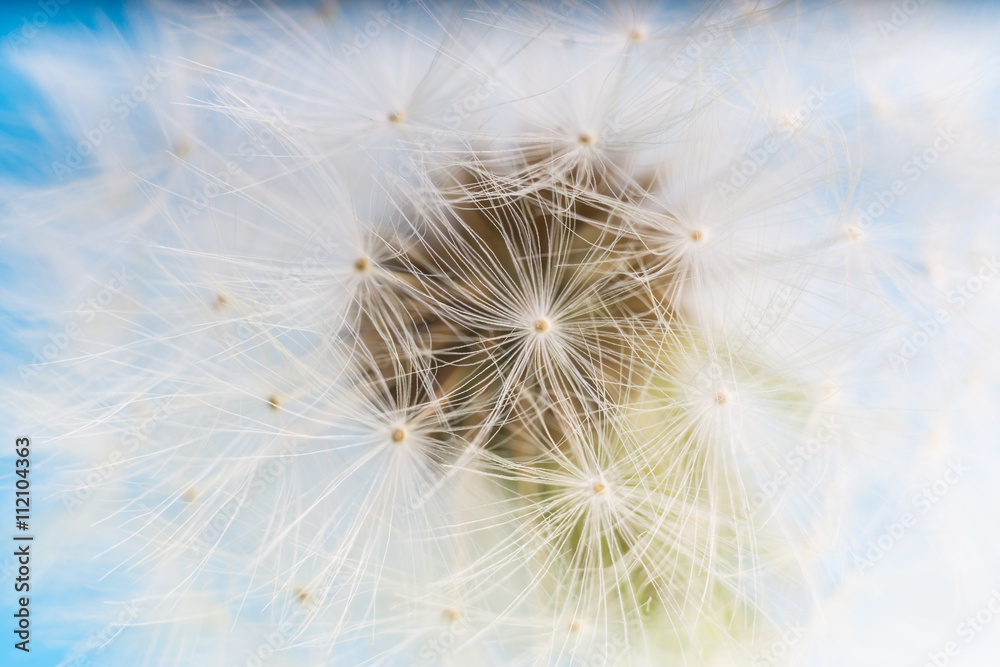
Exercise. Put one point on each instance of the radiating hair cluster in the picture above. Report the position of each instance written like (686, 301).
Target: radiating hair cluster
(492, 333)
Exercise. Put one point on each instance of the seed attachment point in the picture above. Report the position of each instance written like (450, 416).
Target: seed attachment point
(853, 233)
(542, 325)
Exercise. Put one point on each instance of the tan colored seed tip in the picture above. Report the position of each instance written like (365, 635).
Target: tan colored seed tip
(451, 614)
(542, 325)
(853, 233)
(184, 148)
(599, 487)
(575, 627)
(220, 301)
(399, 434)
(828, 388)
(698, 235)
(637, 35)
(273, 401)
(721, 397)
(587, 138)
(190, 495)
(363, 265)
(397, 116)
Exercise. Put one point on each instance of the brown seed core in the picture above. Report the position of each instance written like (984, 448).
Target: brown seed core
(542, 325)
(399, 435)
(362, 265)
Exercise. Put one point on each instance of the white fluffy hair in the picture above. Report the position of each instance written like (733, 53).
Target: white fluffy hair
(512, 333)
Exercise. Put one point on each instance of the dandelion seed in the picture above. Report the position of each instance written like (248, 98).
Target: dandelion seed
(557, 291)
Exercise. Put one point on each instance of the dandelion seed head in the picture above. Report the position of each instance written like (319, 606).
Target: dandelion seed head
(522, 373)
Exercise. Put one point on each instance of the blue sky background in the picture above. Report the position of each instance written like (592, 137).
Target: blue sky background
(25, 156)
